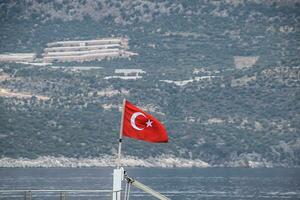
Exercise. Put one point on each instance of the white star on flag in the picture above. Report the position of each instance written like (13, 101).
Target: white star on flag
(149, 123)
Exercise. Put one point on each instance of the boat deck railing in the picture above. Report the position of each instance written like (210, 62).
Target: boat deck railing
(54, 194)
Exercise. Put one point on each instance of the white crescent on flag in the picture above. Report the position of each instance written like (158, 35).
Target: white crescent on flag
(132, 120)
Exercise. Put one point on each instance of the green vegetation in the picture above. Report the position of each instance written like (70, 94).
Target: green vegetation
(210, 119)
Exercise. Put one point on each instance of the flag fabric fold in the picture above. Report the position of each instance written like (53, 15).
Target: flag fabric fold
(140, 125)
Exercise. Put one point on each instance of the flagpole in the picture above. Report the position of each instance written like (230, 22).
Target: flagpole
(121, 134)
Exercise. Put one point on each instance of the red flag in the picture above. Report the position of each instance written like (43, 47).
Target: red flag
(142, 126)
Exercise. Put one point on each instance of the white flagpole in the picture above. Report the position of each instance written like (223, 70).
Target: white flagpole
(120, 137)
(118, 175)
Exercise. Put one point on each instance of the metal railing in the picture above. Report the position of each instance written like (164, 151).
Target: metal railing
(53, 194)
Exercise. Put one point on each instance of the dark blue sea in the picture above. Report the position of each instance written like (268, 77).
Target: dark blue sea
(175, 183)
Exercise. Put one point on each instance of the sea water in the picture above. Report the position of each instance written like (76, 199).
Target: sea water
(175, 183)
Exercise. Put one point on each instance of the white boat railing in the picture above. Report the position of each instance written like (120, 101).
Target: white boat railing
(141, 186)
(59, 194)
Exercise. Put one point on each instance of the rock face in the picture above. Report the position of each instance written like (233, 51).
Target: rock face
(17, 57)
(86, 50)
(74, 51)
(223, 76)
(165, 161)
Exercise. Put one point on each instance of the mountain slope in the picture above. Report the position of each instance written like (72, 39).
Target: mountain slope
(222, 76)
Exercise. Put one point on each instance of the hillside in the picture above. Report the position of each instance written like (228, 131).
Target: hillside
(223, 76)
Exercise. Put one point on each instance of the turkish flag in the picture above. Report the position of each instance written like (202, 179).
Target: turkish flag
(142, 126)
